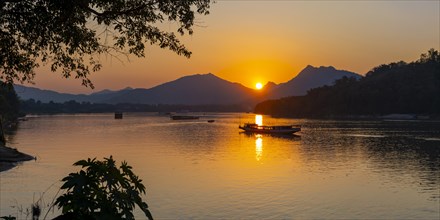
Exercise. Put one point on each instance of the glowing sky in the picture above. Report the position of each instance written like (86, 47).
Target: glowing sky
(260, 41)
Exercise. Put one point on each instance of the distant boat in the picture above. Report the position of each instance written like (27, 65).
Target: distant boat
(184, 117)
(22, 119)
(210, 121)
(118, 115)
(164, 113)
(255, 128)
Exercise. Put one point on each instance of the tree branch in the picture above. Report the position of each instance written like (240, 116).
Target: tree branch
(86, 7)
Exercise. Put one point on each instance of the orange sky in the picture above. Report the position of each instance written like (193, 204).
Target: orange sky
(260, 41)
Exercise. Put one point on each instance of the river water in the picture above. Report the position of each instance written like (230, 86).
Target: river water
(200, 170)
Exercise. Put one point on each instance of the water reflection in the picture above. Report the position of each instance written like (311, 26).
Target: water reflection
(269, 148)
(259, 120)
(291, 137)
(258, 146)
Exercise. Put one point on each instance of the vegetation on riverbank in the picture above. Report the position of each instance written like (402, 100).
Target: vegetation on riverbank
(36, 107)
(9, 112)
(9, 103)
(100, 190)
(395, 88)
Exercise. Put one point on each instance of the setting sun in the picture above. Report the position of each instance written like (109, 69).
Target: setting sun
(258, 85)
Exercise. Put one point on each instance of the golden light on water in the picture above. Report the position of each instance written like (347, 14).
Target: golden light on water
(258, 146)
(259, 120)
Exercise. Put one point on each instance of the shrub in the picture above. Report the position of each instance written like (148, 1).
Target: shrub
(101, 190)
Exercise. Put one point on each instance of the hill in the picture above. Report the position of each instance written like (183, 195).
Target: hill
(199, 89)
(25, 93)
(45, 96)
(395, 88)
(309, 78)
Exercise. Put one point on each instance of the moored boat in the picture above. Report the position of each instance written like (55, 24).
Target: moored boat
(184, 117)
(118, 115)
(264, 129)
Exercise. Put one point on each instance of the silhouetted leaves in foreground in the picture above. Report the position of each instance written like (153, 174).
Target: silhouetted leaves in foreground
(101, 190)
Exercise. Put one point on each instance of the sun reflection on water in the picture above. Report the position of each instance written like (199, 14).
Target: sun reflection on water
(259, 120)
(258, 146)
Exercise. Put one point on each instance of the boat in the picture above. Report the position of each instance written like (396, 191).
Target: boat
(211, 121)
(164, 113)
(264, 129)
(184, 117)
(118, 115)
(22, 119)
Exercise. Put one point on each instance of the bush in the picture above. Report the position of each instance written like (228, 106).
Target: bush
(101, 190)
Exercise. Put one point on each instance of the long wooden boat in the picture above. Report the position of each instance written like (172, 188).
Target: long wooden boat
(184, 117)
(284, 129)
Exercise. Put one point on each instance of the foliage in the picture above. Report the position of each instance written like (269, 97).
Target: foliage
(9, 102)
(405, 88)
(101, 190)
(68, 33)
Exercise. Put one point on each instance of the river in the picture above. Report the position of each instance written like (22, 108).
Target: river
(200, 170)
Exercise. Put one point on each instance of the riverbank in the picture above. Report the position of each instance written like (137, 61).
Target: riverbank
(9, 157)
(409, 117)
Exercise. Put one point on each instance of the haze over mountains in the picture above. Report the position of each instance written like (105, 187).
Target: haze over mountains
(199, 89)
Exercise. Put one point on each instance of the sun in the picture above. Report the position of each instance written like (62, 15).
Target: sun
(258, 85)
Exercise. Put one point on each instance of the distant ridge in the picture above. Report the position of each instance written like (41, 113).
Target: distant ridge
(45, 96)
(42, 95)
(198, 89)
(270, 86)
(107, 91)
(397, 90)
(192, 90)
(310, 77)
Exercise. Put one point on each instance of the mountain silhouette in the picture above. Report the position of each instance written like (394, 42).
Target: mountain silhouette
(309, 78)
(25, 93)
(108, 91)
(45, 96)
(199, 89)
(270, 86)
(196, 89)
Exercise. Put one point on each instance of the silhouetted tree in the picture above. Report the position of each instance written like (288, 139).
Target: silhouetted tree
(431, 56)
(9, 102)
(60, 33)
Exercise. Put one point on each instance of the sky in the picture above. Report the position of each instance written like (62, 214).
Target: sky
(260, 41)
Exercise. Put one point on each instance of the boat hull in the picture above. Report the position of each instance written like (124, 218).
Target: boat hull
(184, 117)
(270, 131)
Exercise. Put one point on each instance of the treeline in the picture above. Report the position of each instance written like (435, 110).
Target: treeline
(9, 103)
(395, 88)
(36, 107)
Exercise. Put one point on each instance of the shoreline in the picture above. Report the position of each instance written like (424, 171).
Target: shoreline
(404, 117)
(9, 157)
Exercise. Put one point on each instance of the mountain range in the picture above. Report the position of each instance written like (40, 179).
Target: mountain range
(199, 89)
(309, 78)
